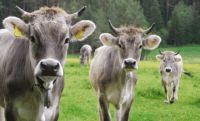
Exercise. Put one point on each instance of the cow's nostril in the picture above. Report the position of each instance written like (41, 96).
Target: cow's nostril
(43, 65)
(49, 67)
(56, 66)
(129, 62)
(134, 62)
(168, 70)
(126, 62)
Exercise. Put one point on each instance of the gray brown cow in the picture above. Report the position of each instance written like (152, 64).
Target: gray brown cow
(31, 64)
(85, 53)
(171, 68)
(113, 69)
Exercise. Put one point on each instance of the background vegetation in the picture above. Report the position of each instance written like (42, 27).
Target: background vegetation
(177, 21)
(79, 101)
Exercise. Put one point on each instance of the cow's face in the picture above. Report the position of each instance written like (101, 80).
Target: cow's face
(130, 41)
(49, 31)
(169, 61)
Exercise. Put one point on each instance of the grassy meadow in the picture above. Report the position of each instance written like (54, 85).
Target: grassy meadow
(79, 101)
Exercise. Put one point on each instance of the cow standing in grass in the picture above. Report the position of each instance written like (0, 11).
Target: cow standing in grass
(113, 69)
(85, 53)
(171, 68)
(32, 60)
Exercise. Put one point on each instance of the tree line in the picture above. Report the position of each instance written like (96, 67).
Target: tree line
(176, 21)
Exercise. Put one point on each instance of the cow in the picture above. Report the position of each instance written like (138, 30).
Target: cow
(113, 68)
(31, 64)
(85, 53)
(171, 68)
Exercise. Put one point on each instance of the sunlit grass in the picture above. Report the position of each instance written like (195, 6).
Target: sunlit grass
(79, 101)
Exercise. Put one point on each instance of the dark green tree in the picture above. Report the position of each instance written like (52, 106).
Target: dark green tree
(152, 12)
(180, 25)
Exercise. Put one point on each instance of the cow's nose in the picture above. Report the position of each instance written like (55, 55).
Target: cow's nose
(49, 67)
(130, 62)
(168, 70)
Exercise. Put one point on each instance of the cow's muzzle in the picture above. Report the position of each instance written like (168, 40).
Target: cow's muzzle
(168, 69)
(49, 68)
(129, 64)
(47, 71)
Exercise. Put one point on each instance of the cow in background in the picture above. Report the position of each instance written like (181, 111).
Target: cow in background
(31, 64)
(113, 69)
(85, 54)
(171, 68)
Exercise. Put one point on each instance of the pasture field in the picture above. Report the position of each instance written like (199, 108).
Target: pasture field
(79, 101)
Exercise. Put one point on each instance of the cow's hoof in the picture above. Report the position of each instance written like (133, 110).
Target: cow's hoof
(171, 101)
(166, 101)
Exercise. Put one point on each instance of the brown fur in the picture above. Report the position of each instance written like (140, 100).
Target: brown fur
(49, 10)
(131, 29)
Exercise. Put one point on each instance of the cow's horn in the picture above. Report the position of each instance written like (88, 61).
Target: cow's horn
(25, 14)
(177, 52)
(160, 52)
(114, 29)
(78, 13)
(149, 29)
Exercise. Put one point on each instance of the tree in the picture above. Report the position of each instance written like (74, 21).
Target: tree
(180, 25)
(152, 12)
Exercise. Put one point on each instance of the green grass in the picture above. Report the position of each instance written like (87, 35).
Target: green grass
(79, 101)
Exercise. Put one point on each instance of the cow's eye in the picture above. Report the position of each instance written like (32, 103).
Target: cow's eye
(140, 46)
(66, 40)
(33, 39)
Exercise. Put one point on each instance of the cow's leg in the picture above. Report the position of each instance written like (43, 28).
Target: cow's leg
(174, 96)
(166, 92)
(52, 113)
(103, 108)
(56, 114)
(122, 113)
(127, 97)
(88, 59)
(9, 114)
(2, 114)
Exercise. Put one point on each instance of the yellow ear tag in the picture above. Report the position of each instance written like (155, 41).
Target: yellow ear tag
(17, 32)
(152, 43)
(79, 34)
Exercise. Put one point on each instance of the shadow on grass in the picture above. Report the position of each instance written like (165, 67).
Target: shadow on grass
(151, 93)
(196, 103)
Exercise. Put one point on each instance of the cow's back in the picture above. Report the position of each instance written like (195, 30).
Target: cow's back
(6, 38)
(86, 50)
(106, 65)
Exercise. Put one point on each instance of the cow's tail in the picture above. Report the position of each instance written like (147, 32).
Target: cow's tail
(187, 73)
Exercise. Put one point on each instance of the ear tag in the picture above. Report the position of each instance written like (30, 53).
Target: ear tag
(79, 34)
(17, 31)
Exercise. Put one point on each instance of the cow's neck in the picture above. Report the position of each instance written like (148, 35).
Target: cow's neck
(45, 89)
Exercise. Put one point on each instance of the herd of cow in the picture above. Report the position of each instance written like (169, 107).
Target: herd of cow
(32, 53)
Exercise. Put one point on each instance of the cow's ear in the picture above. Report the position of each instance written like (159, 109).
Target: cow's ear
(178, 58)
(151, 42)
(82, 30)
(16, 26)
(108, 39)
(159, 57)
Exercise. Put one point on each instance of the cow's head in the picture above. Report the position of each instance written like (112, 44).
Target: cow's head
(168, 60)
(49, 31)
(130, 40)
